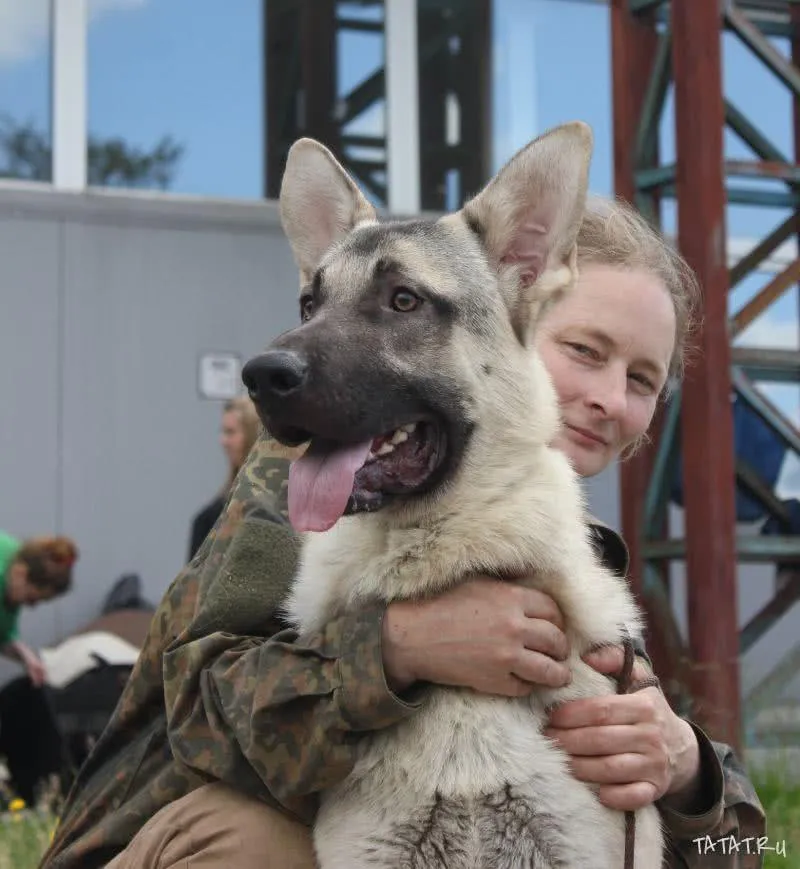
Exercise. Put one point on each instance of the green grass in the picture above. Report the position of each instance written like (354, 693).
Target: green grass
(24, 835)
(781, 802)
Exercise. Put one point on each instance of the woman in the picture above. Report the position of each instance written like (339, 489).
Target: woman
(31, 572)
(280, 718)
(238, 432)
(611, 348)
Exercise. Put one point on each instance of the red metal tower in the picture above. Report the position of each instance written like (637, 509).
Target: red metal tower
(656, 44)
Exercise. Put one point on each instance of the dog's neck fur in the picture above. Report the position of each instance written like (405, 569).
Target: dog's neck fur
(496, 516)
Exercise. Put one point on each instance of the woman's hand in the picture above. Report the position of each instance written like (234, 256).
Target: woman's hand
(495, 637)
(33, 665)
(19, 651)
(632, 745)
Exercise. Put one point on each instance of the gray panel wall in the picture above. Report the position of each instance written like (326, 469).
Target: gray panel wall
(107, 303)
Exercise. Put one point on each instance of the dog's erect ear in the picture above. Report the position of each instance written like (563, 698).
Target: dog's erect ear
(529, 214)
(319, 203)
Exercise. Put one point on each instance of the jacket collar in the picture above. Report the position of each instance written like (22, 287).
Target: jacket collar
(612, 547)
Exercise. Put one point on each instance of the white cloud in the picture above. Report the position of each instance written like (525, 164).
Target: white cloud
(770, 332)
(788, 483)
(97, 7)
(25, 24)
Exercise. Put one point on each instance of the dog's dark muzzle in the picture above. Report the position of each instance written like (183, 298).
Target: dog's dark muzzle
(376, 431)
(275, 375)
(278, 382)
(337, 390)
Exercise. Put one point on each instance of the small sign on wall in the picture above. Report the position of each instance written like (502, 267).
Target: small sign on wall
(219, 376)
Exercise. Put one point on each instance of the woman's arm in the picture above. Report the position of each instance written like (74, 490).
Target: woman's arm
(18, 651)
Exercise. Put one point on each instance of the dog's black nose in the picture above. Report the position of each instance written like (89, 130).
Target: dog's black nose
(275, 374)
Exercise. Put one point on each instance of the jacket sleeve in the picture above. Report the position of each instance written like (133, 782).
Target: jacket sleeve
(256, 705)
(724, 834)
(727, 833)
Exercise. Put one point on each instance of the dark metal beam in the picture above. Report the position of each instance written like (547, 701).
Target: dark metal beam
(750, 481)
(281, 82)
(746, 196)
(765, 248)
(768, 364)
(365, 94)
(359, 24)
(664, 176)
(794, 49)
(635, 42)
(454, 64)
(300, 79)
(639, 6)
(675, 679)
(749, 133)
(750, 549)
(653, 101)
(765, 297)
(762, 48)
(784, 428)
(785, 598)
(706, 418)
(763, 169)
(663, 469)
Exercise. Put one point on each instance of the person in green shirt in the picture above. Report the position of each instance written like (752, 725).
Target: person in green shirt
(31, 571)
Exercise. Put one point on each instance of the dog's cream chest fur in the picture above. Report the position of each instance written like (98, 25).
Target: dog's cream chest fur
(462, 744)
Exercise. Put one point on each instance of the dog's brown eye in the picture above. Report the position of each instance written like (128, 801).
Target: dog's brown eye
(306, 308)
(405, 301)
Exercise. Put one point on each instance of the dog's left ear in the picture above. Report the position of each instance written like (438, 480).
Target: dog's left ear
(319, 204)
(528, 217)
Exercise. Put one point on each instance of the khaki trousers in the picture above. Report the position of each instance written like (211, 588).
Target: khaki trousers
(215, 827)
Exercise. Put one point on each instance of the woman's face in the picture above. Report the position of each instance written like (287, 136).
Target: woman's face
(607, 346)
(232, 438)
(20, 591)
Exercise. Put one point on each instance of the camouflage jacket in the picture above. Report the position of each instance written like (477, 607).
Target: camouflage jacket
(223, 691)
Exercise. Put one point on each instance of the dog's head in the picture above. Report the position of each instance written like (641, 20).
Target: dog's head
(409, 328)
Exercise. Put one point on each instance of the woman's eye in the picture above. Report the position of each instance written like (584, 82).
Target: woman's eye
(404, 300)
(582, 349)
(643, 381)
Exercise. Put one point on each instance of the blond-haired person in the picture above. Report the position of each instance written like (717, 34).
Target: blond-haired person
(239, 428)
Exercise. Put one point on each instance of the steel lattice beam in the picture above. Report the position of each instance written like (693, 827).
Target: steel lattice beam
(704, 438)
(639, 69)
(707, 432)
(454, 38)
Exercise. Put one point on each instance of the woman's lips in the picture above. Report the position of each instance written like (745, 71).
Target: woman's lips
(588, 435)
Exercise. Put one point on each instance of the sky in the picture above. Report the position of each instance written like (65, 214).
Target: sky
(180, 68)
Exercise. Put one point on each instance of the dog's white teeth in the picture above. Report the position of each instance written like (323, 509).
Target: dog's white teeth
(399, 436)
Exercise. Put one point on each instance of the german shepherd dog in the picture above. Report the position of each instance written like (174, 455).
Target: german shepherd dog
(429, 418)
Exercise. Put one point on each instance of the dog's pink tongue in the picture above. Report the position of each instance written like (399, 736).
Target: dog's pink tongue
(320, 483)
